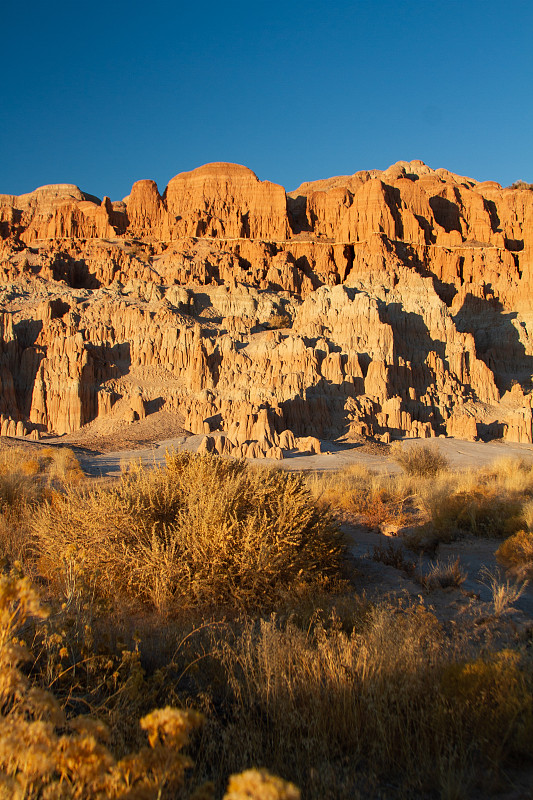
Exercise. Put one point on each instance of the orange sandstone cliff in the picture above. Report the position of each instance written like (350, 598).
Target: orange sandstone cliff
(377, 304)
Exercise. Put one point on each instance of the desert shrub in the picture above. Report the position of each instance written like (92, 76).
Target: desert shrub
(420, 460)
(43, 753)
(258, 784)
(279, 321)
(479, 511)
(516, 553)
(521, 185)
(203, 530)
(18, 485)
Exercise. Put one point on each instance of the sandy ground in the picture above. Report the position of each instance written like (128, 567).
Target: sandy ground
(334, 456)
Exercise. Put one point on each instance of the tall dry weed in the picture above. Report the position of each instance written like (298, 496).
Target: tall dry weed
(336, 709)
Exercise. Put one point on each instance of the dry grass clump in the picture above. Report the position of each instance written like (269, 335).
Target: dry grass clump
(443, 575)
(504, 593)
(421, 461)
(440, 574)
(376, 498)
(203, 530)
(393, 555)
(27, 478)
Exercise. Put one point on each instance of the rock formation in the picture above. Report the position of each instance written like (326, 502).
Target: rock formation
(379, 304)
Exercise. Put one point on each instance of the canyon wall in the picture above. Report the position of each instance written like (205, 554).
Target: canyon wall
(383, 304)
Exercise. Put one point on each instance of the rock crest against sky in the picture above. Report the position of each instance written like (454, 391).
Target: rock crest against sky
(385, 303)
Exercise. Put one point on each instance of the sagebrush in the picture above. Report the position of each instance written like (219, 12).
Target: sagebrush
(202, 530)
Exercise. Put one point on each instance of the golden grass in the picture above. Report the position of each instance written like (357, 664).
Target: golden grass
(377, 498)
(27, 479)
(52, 464)
(491, 502)
(482, 511)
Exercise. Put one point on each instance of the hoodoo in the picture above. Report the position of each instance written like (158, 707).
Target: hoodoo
(385, 303)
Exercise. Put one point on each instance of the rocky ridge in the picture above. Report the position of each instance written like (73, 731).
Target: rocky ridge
(384, 304)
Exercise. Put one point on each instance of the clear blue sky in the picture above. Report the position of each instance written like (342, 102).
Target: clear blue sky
(103, 94)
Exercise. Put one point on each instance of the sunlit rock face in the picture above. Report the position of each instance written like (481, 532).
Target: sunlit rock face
(384, 303)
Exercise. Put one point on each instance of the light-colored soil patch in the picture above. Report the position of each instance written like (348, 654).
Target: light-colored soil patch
(470, 603)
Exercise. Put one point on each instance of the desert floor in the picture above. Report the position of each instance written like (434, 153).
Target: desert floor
(334, 456)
